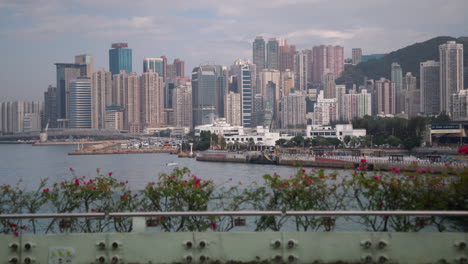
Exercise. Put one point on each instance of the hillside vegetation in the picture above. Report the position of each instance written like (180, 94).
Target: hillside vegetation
(409, 58)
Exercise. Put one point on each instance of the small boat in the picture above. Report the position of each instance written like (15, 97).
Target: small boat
(172, 164)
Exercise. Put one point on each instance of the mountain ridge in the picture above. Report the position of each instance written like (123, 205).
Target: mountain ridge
(408, 57)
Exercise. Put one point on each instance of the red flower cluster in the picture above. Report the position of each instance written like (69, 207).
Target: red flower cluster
(396, 170)
(463, 150)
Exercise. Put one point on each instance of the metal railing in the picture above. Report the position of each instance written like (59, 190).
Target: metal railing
(236, 213)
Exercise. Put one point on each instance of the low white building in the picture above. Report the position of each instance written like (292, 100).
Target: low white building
(261, 137)
(340, 131)
(220, 127)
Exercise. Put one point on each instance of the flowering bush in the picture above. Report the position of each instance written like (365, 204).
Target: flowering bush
(397, 190)
(307, 190)
(304, 191)
(180, 191)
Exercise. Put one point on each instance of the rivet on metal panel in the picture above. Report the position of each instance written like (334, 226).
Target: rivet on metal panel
(367, 259)
(13, 246)
(462, 260)
(28, 260)
(276, 243)
(443, 261)
(13, 260)
(291, 258)
(115, 245)
(101, 244)
(366, 243)
(188, 244)
(277, 258)
(382, 244)
(383, 259)
(28, 246)
(202, 244)
(115, 259)
(460, 244)
(292, 243)
(203, 258)
(101, 259)
(188, 258)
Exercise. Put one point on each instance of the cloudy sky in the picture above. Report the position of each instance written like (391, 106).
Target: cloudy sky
(35, 34)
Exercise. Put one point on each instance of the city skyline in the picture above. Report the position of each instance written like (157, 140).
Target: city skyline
(37, 34)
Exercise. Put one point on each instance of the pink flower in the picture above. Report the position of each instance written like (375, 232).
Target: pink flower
(93, 210)
(24, 227)
(285, 184)
(213, 225)
(71, 169)
(446, 164)
(46, 190)
(303, 171)
(13, 225)
(77, 182)
(422, 170)
(396, 170)
(123, 197)
(110, 174)
(376, 178)
(363, 161)
(290, 176)
(126, 181)
(135, 195)
(463, 150)
(84, 177)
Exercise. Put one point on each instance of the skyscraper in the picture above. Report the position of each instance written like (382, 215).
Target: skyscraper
(324, 110)
(152, 99)
(301, 71)
(357, 56)
(397, 78)
(87, 60)
(272, 54)
(451, 72)
(119, 93)
(459, 106)
(411, 95)
(101, 96)
(286, 56)
(245, 82)
(182, 105)
(293, 110)
(50, 107)
(80, 102)
(179, 67)
(385, 97)
(155, 64)
(232, 112)
(329, 85)
(65, 73)
(430, 87)
(327, 59)
(132, 114)
(258, 51)
(120, 58)
(204, 93)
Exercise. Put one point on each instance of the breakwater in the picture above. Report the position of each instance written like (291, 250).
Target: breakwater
(332, 162)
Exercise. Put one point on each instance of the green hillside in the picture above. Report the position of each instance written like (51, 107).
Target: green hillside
(409, 58)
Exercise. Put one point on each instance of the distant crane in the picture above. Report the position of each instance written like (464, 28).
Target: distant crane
(43, 135)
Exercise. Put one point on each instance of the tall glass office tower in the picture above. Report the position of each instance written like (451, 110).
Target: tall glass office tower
(120, 58)
(80, 102)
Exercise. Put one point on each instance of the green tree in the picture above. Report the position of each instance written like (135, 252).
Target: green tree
(393, 141)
